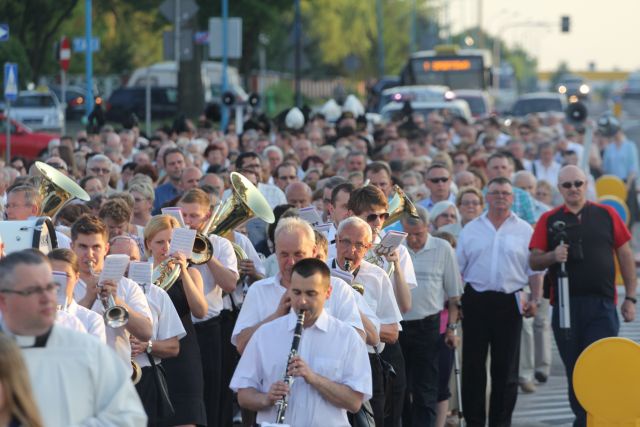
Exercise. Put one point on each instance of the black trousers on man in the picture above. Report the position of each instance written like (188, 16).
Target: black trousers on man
(491, 319)
(419, 340)
(392, 354)
(210, 351)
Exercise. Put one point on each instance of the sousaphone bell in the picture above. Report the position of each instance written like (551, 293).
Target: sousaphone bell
(56, 190)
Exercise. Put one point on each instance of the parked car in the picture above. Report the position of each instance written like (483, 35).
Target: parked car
(74, 95)
(415, 93)
(452, 108)
(127, 100)
(478, 100)
(631, 89)
(40, 110)
(539, 102)
(24, 141)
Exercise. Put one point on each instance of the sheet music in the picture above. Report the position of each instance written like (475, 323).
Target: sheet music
(390, 242)
(324, 228)
(141, 272)
(175, 212)
(182, 241)
(114, 267)
(311, 215)
(60, 277)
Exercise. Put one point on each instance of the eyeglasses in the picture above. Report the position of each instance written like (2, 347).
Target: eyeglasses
(288, 178)
(470, 203)
(49, 288)
(383, 216)
(57, 166)
(448, 215)
(500, 193)
(255, 166)
(442, 179)
(358, 245)
(99, 171)
(570, 184)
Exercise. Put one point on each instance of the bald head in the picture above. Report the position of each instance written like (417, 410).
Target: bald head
(526, 181)
(190, 177)
(571, 172)
(572, 184)
(299, 194)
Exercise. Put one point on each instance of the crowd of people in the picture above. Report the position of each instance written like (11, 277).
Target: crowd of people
(382, 326)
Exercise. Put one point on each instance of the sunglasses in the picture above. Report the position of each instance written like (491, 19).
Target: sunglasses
(383, 216)
(570, 184)
(437, 180)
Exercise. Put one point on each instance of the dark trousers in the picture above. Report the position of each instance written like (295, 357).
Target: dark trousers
(229, 361)
(491, 319)
(392, 353)
(419, 341)
(210, 351)
(592, 318)
(377, 397)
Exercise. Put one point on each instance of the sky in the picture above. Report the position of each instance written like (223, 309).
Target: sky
(606, 34)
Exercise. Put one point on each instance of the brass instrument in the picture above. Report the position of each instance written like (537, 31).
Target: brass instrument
(399, 206)
(288, 379)
(244, 203)
(359, 287)
(136, 372)
(115, 316)
(56, 190)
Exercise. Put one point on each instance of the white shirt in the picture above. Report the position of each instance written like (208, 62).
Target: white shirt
(246, 245)
(329, 347)
(166, 321)
(549, 174)
(63, 240)
(69, 321)
(265, 295)
(118, 338)
(495, 260)
(223, 252)
(77, 381)
(93, 323)
(378, 293)
(438, 278)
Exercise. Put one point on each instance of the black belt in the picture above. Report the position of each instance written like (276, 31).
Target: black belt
(417, 322)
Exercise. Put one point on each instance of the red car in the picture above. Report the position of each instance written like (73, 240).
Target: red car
(24, 141)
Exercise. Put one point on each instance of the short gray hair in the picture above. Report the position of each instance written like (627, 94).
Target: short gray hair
(423, 217)
(271, 148)
(355, 221)
(98, 158)
(293, 224)
(9, 263)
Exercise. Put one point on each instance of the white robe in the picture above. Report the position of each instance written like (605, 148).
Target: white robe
(78, 381)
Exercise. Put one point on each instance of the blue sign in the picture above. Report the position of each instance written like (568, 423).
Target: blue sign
(80, 45)
(4, 32)
(10, 81)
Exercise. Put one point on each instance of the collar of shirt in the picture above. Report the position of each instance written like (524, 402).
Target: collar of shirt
(485, 218)
(26, 341)
(321, 323)
(429, 244)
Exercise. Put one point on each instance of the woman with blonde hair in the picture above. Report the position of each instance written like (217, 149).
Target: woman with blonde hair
(184, 372)
(17, 405)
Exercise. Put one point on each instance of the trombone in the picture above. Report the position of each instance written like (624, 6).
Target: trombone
(115, 316)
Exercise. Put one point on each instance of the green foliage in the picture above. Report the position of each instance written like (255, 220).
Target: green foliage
(562, 70)
(13, 51)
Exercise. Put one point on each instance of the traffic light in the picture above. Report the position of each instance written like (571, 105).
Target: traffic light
(565, 24)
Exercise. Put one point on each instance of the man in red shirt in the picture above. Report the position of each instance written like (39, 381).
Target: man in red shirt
(584, 236)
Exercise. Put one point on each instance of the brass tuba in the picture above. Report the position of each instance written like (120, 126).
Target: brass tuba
(56, 190)
(244, 203)
(136, 372)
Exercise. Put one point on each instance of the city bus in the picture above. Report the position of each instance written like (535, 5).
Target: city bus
(449, 66)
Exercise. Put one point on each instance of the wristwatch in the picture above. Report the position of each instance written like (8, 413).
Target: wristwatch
(149, 347)
(632, 299)
(452, 326)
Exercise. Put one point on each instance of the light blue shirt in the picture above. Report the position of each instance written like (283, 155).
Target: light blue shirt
(621, 161)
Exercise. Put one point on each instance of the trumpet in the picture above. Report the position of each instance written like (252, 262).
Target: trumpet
(114, 315)
(288, 379)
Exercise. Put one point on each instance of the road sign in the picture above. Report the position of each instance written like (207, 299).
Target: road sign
(187, 9)
(65, 53)
(4, 32)
(201, 37)
(79, 44)
(234, 38)
(10, 81)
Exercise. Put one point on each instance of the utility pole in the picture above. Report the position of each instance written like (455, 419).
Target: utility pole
(297, 34)
(379, 21)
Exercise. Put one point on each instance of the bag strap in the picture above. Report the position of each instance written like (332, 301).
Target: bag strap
(153, 362)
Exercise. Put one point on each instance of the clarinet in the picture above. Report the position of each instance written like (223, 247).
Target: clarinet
(288, 379)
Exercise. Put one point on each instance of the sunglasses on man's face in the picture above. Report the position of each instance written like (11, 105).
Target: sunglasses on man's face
(437, 180)
(383, 216)
(570, 184)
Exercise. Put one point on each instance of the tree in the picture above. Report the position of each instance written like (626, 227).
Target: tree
(35, 24)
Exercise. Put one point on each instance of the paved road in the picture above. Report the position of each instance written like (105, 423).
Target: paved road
(549, 405)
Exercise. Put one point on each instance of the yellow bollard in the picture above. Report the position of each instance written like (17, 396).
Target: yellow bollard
(606, 381)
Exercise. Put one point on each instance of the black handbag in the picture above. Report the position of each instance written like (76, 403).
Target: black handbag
(164, 406)
(362, 418)
(388, 378)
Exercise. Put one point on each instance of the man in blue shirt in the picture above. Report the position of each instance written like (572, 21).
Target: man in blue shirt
(173, 164)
